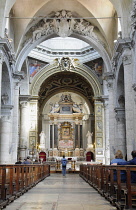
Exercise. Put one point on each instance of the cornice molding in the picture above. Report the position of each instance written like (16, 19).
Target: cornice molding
(123, 44)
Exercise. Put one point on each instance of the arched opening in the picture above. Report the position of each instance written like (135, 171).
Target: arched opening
(79, 74)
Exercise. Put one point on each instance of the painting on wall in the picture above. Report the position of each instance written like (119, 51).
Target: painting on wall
(34, 66)
(65, 131)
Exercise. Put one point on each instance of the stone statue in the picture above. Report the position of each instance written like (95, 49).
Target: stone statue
(55, 108)
(42, 138)
(76, 108)
(89, 137)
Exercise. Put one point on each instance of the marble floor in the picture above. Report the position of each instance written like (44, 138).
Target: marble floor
(61, 193)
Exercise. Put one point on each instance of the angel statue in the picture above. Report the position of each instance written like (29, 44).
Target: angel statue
(55, 108)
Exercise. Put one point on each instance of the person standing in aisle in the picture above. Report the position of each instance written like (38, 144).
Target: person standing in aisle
(64, 164)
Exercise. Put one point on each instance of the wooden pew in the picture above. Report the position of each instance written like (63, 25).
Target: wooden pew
(17, 179)
(118, 193)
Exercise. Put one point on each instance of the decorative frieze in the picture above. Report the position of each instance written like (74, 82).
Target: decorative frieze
(127, 59)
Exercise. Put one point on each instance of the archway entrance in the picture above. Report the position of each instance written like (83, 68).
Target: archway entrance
(63, 76)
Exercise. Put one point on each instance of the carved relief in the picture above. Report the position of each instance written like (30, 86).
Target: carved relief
(133, 18)
(127, 59)
(5, 99)
(99, 142)
(99, 126)
(62, 24)
(98, 110)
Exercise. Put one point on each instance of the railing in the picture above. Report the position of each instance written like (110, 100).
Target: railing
(107, 180)
(17, 179)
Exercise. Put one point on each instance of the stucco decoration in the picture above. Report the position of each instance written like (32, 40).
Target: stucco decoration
(62, 23)
(133, 18)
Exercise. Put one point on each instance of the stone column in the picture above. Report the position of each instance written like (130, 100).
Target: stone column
(124, 47)
(15, 122)
(5, 143)
(24, 127)
(106, 131)
(129, 100)
(1, 62)
(109, 77)
(121, 130)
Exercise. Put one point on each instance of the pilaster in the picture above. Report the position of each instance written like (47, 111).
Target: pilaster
(24, 126)
(109, 77)
(121, 130)
(33, 131)
(1, 62)
(99, 132)
(15, 129)
(124, 46)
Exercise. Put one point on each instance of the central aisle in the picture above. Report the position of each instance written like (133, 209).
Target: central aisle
(61, 193)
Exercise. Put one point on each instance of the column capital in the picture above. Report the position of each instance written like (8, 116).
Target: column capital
(23, 104)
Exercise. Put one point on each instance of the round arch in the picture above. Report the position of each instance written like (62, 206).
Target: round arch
(90, 40)
(65, 91)
(81, 70)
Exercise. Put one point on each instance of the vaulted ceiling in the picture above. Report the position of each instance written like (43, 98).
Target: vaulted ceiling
(65, 81)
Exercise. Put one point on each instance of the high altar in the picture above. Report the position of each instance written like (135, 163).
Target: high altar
(66, 116)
